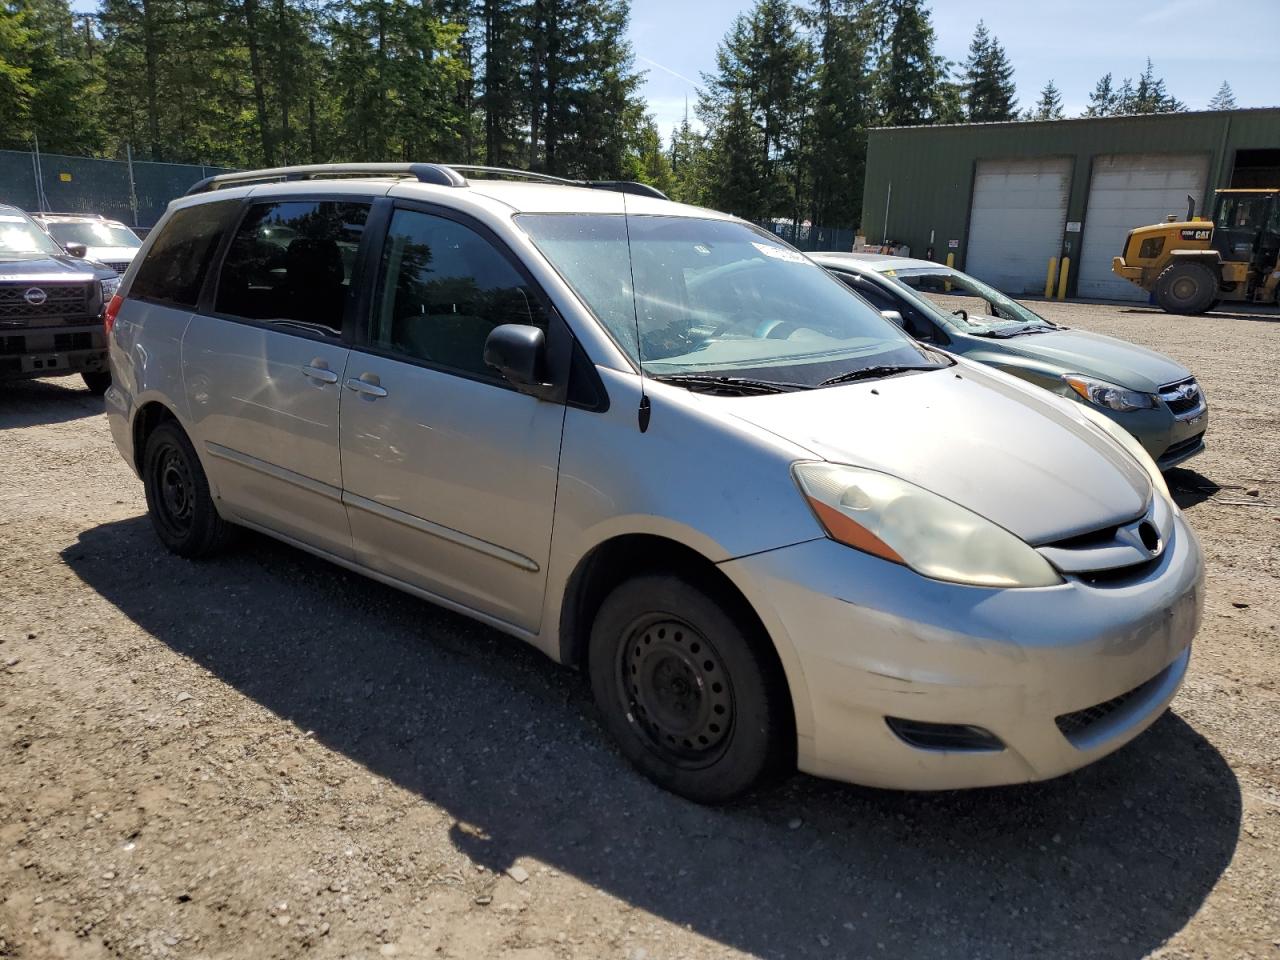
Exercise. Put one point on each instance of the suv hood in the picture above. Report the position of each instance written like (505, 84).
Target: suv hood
(1014, 454)
(51, 269)
(1078, 351)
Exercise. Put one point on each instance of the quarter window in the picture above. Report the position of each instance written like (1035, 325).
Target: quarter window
(443, 288)
(175, 265)
(292, 262)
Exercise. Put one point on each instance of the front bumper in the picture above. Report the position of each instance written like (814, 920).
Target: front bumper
(874, 640)
(1168, 439)
(1122, 269)
(52, 351)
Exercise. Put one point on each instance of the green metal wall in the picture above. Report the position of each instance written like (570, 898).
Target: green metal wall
(923, 176)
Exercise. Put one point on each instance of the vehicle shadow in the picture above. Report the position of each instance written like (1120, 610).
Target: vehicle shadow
(1260, 315)
(1189, 487)
(28, 403)
(1108, 862)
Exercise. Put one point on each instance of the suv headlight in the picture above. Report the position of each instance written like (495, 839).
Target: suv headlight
(1123, 437)
(1109, 395)
(900, 522)
(109, 288)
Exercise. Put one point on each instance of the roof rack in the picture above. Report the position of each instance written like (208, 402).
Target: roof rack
(439, 174)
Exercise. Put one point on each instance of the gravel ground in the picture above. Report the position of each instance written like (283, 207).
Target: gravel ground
(266, 756)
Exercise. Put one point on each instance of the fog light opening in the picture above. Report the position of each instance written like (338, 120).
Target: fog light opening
(944, 736)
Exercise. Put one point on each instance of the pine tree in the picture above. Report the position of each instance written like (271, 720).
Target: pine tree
(738, 180)
(1151, 96)
(1224, 99)
(910, 71)
(1124, 102)
(688, 159)
(1049, 106)
(989, 90)
(502, 96)
(1103, 102)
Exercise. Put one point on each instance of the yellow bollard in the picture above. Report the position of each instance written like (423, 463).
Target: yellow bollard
(951, 262)
(1062, 278)
(1050, 277)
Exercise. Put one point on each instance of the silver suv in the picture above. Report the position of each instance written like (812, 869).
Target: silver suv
(662, 446)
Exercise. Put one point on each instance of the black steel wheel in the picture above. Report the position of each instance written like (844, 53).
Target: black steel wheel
(181, 508)
(690, 687)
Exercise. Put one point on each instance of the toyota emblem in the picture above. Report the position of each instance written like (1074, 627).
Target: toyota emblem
(35, 296)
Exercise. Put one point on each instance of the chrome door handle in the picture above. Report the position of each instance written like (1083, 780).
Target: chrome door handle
(323, 374)
(365, 387)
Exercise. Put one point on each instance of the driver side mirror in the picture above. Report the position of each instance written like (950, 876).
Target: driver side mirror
(894, 317)
(77, 250)
(518, 351)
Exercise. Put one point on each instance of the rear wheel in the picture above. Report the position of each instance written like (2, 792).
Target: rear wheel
(686, 687)
(1186, 288)
(97, 381)
(178, 500)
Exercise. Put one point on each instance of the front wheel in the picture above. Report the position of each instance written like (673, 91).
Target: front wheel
(182, 510)
(686, 685)
(97, 381)
(1186, 288)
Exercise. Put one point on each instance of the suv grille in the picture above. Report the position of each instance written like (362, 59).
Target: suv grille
(62, 301)
(119, 266)
(1183, 397)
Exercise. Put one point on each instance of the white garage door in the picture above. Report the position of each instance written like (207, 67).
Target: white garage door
(1127, 191)
(1018, 215)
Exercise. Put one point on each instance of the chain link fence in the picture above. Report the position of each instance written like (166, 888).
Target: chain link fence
(807, 237)
(134, 192)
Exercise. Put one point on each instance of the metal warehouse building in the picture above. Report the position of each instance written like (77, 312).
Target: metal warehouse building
(1006, 197)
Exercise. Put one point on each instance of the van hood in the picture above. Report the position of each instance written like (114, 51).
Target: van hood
(1012, 453)
(1078, 351)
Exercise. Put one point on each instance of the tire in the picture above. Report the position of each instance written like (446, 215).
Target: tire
(178, 501)
(687, 687)
(97, 381)
(1186, 288)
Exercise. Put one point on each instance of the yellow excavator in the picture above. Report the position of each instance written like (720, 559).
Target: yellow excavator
(1192, 265)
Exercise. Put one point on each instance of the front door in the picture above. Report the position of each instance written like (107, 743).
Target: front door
(449, 474)
(263, 369)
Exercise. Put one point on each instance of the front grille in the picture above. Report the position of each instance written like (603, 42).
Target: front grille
(119, 266)
(1183, 396)
(1182, 446)
(62, 300)
(1078, 723)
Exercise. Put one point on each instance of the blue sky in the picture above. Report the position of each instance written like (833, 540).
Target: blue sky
(1073, 43)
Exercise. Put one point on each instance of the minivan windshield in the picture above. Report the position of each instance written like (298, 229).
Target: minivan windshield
(21, 239)
(986, 311)
(94, 234)
(717, 298)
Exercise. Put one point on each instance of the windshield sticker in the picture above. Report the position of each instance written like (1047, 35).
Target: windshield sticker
(779, 253)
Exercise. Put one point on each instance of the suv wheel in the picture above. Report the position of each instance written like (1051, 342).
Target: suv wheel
(684, 686)
(182, 511)
(1186, 288)
(97, 381)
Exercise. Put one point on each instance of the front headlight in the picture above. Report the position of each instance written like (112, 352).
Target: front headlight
(1108, 395)
(900, 522)
(109, 288)
(1123, 437)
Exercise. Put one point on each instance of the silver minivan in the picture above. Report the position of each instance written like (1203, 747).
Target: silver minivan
(668, 449)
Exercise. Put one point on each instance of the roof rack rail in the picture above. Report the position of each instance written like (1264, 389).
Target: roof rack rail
(622, 186)
(435, 173)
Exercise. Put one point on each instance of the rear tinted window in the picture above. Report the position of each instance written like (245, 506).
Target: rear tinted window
(176, 264)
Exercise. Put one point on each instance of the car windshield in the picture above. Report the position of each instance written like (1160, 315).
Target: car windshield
(22, 239)
(986, 309)
(717, 298)
(94, 234)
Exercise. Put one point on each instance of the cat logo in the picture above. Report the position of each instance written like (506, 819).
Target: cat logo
(1195, 234)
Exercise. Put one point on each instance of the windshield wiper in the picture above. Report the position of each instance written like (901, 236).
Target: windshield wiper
(872, 373)
(740, 385)
(1015, 332)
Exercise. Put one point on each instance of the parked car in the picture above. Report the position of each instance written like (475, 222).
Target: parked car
(1152, 396)
(103, 240)
(50, 306)
(661, 445)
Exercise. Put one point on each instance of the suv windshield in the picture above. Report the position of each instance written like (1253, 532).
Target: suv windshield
(94, 234)
(717, 298)
(987, 310)
(22, 239)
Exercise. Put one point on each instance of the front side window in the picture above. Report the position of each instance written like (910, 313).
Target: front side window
(1240, 213)
(22, 239)
(175, 265)
(94, 234)
(442, 289)
(291, 262)
(717, 298)
(986, 311)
